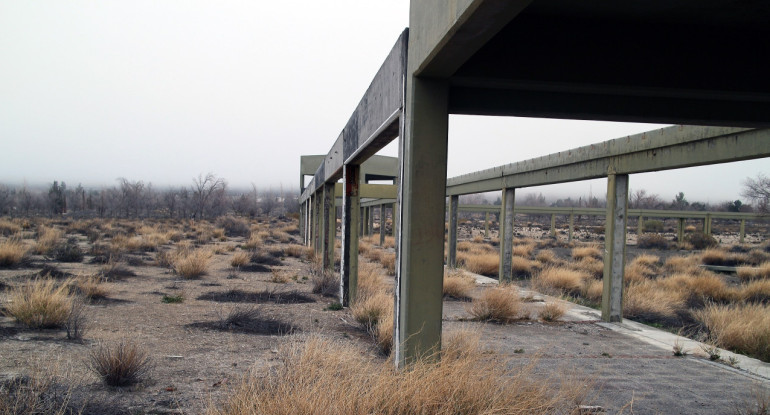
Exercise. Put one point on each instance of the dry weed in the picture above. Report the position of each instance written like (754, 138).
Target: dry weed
(744, 328)
(590, 251)
(458, 285)
(41, 303)
(499, 304)
(193, 263)
(750, 273)
(552, 311)
(240, 259)
(120, 364)
(483, 263)
(13, 251)
(560, 279)
(47, 238)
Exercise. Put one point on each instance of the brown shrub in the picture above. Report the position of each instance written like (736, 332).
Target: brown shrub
(757, 291)
(559, 279)
(192, 264)
(594, 290)
(653, 241)
(120, 364)
(500, 304)
(586, 252)
(552, 311)
(590, 266)
(649, 301)
(12, 252)
(458, 285)
(317, 376)
(545, 257)
(240, 259)
(41, 303)
(741, 328)
(479, 263)
(299, 251)
(47, 238)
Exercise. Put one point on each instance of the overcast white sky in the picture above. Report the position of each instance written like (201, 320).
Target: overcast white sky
(161, 91)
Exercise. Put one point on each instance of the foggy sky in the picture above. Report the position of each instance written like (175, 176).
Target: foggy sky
(163, 91)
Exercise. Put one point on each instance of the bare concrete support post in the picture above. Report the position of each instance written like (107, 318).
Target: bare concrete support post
(640, 223)
(394, 220)
(329, 226)
(452, 235)
(707, 225)
(311, 221)
(422, 198)
(680, 231)
(486, 224)
(553, 224)
(350, 227)
(571, 226)
(370, 221)
(506, 235)
(361, 222)
(302, 219)
(318, 222)
(615, 247)
(382, 225)
(743, 230)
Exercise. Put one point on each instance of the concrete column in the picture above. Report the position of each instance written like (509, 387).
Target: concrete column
(615, 247)
(743, 230)
(350, 227)
(419, 278)
(382, 225)
(452, 235)
(370, 220)
(506, 235)
(640, 223)
(707, 224)
(318, 222)
(680, 231)
(553, 224)
(486, 224)
(302, 219)
(311, 221)
(330, 226)
(394, 220)
(571, 226)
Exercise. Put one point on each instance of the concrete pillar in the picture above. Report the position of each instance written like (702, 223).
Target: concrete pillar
(394, 220)
(350, 227)
(419, 278)
(382, 225)
(615, 247)
(553, 224)
(640, 223)
(329, 230)
(571, 226)
(452, 235)
(318, 222)
(311, 221)
(707, 224)
(370, 221)
(506, 235)
(743, 230)
(302, 219)
(486, 224)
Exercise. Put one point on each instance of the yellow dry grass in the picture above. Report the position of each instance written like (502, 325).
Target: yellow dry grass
(546, 257)
(590, 251)
(593, 290)
(483, 263)
(552, 311)
(646, 301)
(757, 291)
(41, 303)
(749, 273)
(240, 259)
(299, 251)
(458, 285)
(370, 280)
(324, 377)
(499, 304)
(47, 237)
(90, 286)
(524, 249)
(12, 252)
(560, 280)
(589, 265)
(192, 264)
(744, 328)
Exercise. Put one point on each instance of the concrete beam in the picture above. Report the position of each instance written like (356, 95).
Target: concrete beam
(664, 149)
(615, 247)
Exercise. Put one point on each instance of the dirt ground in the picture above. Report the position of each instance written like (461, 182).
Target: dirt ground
(196, 362)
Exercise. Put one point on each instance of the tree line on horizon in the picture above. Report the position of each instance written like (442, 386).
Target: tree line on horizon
(207, 197)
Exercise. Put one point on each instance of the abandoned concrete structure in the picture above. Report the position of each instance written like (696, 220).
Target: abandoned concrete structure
(688, 62)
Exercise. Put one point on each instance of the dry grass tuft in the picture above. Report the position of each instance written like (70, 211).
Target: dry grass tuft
(299, 251)
(91, 287)
(192, 264)
(8, 227)
(546, 257)
(240, 259)
(325, 281)
(560, 280)
(749, 273)
(586, 252)
(47, 238)
(500, 304)
(458, 285)
(41, 303)
(120, 364)
(324, 377)
(524, 250)
(757, 291)
(370, 280)
(647, 302)
(370, 310)
(594, 290)
(743, 328)
(646, 260)
(279, 276)
(13, 251)
(522, 267)
(552, 311)
(483, 263)
(591, 266)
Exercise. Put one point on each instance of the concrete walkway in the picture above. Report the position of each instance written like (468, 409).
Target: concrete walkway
(632, 365)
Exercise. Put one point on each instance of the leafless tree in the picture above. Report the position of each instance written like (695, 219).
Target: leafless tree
(758, 191)
(204, 190)
(640, 199)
